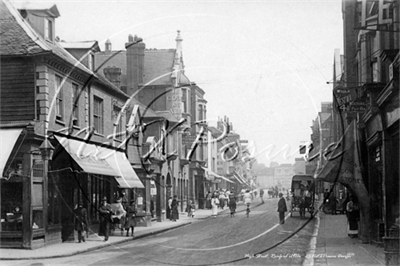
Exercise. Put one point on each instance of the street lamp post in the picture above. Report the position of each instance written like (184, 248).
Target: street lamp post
(149, 172)
(46, 152)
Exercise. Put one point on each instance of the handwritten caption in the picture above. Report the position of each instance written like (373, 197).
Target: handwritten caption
(292, 256)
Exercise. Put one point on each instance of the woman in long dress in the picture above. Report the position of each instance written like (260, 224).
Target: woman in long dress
(208, 200)
(214, 205)
(353, 215)
(232, 203)
(130, 218)
(174, 209)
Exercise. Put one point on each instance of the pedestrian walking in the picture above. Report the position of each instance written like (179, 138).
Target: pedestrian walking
(353, 215)
(130, 218)
(247, 197)
(262, 195)
(214, 205)
(222, 200)
(169, 210)
(282, 208)
(208, 200)
(81, 221)
(232, 203)
(344, 205)
(174, 209)
(332, 203)
(227, 194)
(105, 218)
(124, 199)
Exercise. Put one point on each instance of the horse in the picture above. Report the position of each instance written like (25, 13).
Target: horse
(300, 203)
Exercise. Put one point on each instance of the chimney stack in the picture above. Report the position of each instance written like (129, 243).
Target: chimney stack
(220, 127)
(113, 74)
(134, 63)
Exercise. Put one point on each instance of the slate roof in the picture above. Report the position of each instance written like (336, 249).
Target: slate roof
(158, 66)
(118, 60)
(17, 37)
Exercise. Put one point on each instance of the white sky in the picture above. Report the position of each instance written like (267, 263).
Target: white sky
(264, 64)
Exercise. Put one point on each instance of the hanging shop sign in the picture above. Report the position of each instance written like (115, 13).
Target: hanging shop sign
(347, 101)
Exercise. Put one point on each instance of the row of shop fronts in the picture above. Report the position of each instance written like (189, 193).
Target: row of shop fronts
(357, 135)
(63, 126)
(39, 192)
(45, 179)
(37, 204)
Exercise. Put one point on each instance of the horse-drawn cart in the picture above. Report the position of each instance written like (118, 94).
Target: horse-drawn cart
(303, 188)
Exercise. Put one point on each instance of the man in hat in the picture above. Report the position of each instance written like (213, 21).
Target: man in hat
(105, 217)
(282, 208)
(81, 221)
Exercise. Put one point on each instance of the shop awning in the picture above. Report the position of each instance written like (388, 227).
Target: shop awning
(95, 159)
(342, 161)
(8, 137)
(126, 178)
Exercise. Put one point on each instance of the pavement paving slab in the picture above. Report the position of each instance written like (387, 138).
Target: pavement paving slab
(334, 247)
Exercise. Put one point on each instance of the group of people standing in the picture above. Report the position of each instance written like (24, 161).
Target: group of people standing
(172, 208)
(126, 217)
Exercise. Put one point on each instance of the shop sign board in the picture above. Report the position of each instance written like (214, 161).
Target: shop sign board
(346, 101)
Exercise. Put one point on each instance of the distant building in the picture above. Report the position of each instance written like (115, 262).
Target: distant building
(283, 174)
(300, 166)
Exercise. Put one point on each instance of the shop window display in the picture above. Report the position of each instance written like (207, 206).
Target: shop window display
(53, 208)
(11, 206)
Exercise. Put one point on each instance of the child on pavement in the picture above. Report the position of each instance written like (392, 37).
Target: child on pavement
(191, 209)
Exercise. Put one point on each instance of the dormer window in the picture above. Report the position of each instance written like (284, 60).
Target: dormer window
(48, 29)
(40, 16)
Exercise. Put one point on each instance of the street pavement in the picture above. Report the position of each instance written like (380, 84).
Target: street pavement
(329, 244)
(94, 241)
(70, 248)
(332, 246)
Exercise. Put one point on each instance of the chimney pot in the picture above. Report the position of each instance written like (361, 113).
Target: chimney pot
(130, 38)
